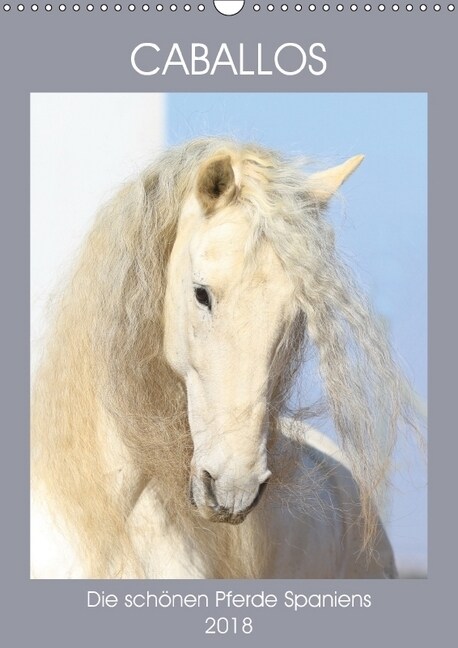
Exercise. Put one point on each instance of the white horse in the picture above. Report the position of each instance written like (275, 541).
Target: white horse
(161, 446)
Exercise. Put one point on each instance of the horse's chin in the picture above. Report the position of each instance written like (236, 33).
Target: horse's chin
(221, 517)
(220, 514)
(229, 518)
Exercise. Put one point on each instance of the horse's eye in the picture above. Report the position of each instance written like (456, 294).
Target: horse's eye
(203, 297)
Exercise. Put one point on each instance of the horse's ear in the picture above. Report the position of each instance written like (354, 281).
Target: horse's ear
(216, 183)
(324, 184)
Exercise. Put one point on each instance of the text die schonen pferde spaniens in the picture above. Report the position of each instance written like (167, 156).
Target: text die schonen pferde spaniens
(229, 600)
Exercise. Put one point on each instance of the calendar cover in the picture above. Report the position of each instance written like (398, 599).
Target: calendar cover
(228, 332)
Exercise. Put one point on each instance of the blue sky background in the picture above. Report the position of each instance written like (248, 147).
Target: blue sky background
(381, 222)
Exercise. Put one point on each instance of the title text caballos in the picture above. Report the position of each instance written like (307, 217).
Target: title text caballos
(252, 59)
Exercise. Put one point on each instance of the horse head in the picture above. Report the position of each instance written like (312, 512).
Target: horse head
(229, 300)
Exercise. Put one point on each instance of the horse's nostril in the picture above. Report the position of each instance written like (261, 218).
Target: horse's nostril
(209, 486)
(191, 496)
(207, 476)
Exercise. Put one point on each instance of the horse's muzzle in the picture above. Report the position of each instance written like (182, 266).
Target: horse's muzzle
(206, 497)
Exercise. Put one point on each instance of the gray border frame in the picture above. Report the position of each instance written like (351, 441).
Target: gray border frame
(89, 52)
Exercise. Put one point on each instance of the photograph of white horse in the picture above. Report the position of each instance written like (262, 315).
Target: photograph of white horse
(164, 439)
